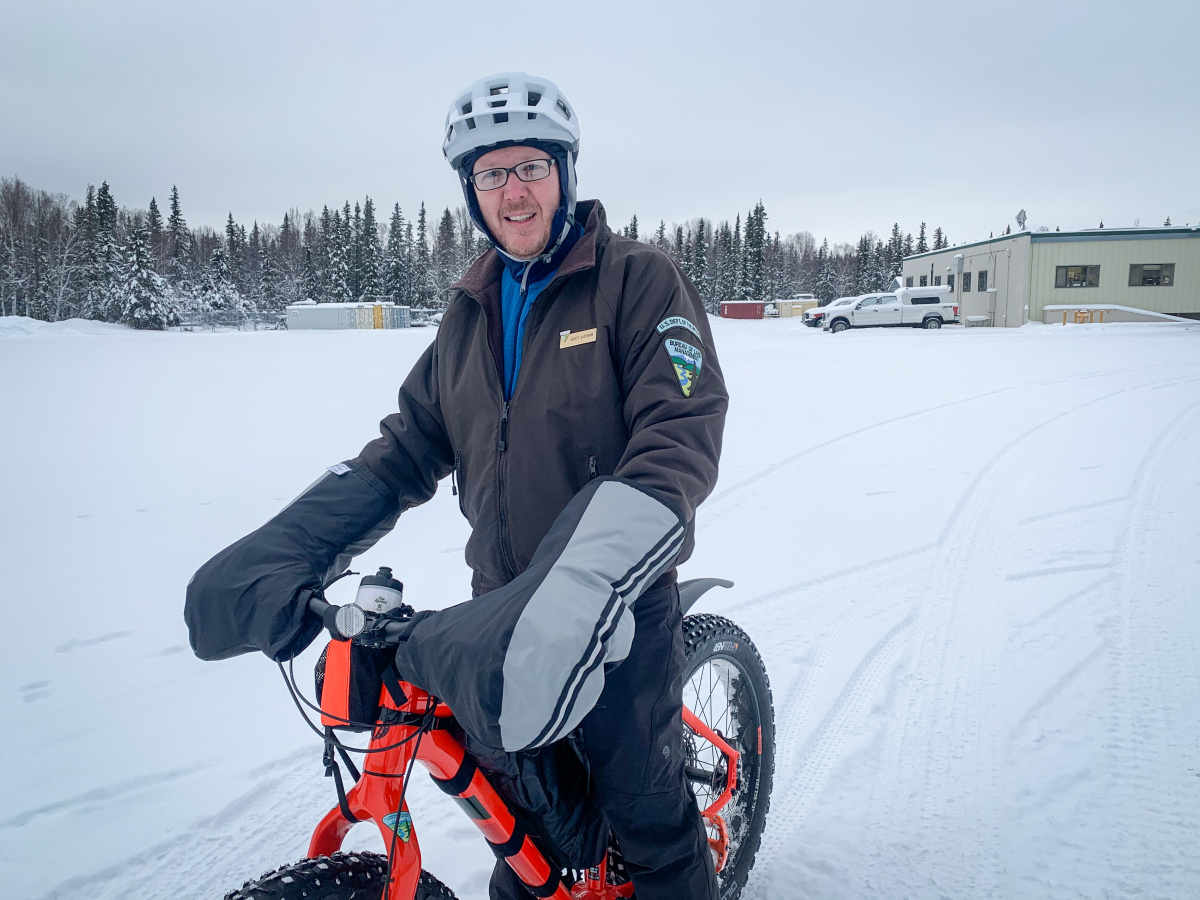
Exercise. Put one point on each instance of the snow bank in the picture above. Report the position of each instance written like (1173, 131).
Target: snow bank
(23, 326)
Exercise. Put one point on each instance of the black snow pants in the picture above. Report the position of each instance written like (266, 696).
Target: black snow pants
(633, 740)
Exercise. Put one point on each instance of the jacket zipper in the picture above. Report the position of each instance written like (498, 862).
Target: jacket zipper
(506, 551)
(454, 477)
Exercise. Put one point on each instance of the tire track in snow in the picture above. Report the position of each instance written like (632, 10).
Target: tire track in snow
(806, 773)
(737, 493)
(955, 668)
(1155, 684)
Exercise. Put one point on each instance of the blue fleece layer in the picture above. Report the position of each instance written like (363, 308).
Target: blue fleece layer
(514, 309)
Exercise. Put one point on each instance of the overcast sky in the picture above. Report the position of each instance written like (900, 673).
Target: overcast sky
(841, 117)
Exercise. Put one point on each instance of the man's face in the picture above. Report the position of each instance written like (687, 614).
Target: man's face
(520, 213)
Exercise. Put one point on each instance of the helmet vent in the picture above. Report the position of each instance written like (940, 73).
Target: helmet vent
(534, 98)
(499, 118)
(466, 108)
(498, 89)
(562, 107)
(531, 115)
(470, 123)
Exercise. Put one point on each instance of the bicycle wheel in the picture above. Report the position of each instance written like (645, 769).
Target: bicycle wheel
(342, 876)
(725, 685)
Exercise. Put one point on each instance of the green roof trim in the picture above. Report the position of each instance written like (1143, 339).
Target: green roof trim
(1090, 234)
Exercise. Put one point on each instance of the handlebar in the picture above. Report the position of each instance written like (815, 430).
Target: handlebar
(352, 623)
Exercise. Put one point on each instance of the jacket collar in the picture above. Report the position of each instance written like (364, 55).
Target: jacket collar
(482, 280)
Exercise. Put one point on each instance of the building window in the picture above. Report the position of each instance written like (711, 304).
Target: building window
(1076, 276)
(924, 281)
(937, 279)
(966, 282)
(949, 281)
(1152, 275)
(908, 281)
(982, 286)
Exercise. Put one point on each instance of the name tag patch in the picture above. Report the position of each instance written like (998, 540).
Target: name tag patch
(575, 338)
(677, 322)
(687, 362)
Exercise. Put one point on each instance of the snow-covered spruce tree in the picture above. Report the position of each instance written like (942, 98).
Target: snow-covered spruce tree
(370, 255)
(700, 263)
(106, 302)
(660, 236)
(881, 267)
(632, 230)
(470, 241)
(322, 251)
(398, 265)
(739, 270)
(270, 297)
(179, 242)
(38, 304)
(354, 252)
(754, 252)
(337, 272)
(252, 270)
(894, 256)
(235, 251)
(825, 290)
(156, 237)
(219, 300)
(445, 251)
(310, 281)
(142, 287)
(422, 274)
(922, 243)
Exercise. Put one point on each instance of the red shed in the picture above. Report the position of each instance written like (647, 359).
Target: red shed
(742, 309)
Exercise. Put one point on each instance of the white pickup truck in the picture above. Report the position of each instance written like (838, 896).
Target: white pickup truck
(813, 317)
(928, 307)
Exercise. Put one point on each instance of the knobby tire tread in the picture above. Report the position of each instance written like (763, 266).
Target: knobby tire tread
(342, 876)
(700, 631)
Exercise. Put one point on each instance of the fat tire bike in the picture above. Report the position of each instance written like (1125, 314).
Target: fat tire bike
(729, 761)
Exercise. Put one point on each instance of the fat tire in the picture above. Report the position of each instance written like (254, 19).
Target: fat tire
(702, 634)
(342, 876)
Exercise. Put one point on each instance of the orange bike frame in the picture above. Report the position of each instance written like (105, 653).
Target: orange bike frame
(376, 796)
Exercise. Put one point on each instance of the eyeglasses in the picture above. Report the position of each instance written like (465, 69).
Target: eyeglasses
(530, 170)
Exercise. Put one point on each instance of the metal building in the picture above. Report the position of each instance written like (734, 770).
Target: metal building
(1012, 279)
(309, 314)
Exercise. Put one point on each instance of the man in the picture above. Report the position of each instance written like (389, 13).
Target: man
(573, 392)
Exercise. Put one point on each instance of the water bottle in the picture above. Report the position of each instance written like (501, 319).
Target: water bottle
(379, 593)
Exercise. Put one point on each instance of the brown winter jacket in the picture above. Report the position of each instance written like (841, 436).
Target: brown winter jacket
(581, 492)
(597, 395)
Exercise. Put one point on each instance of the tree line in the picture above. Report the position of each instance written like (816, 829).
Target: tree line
(94, 259)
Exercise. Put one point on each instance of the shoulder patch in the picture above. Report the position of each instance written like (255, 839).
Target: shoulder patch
(677, 322)
(687, 362)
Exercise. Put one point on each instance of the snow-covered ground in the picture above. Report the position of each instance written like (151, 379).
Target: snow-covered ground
(970, 559)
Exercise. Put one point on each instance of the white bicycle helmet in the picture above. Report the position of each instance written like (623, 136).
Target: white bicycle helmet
(510, 107)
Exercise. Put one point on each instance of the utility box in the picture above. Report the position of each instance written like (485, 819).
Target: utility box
(742, 309)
